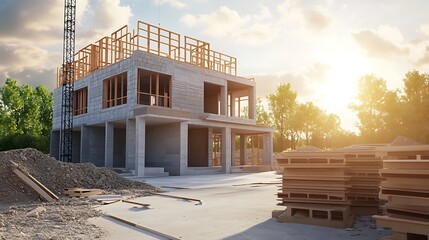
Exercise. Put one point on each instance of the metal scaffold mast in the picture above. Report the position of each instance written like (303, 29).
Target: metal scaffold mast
(68, 81)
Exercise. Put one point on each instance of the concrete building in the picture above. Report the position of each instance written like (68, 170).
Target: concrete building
(151, 99)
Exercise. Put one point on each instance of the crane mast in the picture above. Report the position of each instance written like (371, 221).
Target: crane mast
(66, 134)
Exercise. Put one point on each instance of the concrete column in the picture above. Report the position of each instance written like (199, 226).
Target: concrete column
(267, 158)
(84, 144)
(130, 144)
(223, 100)
(108, 144)
(243, 149)
(210, 150)
(183, 148)
(226, 150)
(232, 104)
(233, 149)
(252, 103)
(140, 146)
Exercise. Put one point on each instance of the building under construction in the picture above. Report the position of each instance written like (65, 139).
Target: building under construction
(151, 100)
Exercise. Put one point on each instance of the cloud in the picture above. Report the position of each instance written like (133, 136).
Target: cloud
(317, 19)
(173, 3)
(424, 28)
(31, 34)
(304, 82)
(295, 13)
(33, 77)
(424, 60)
(377, 45)
(251, 30)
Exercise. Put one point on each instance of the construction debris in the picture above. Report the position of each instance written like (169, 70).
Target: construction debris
(57, 176)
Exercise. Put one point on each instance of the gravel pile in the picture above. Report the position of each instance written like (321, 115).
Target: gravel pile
(57, 176)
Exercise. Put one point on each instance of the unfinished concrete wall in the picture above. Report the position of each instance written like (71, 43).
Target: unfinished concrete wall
(76, 147)
(119, 148)
(55, 144)
(96, 145)
(163, 147)
(198, 147)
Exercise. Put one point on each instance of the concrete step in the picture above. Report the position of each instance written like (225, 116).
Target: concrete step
(251, 169)
(155, 172)
(203, 170)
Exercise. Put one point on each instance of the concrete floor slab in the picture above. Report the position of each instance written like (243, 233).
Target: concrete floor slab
(233, 208)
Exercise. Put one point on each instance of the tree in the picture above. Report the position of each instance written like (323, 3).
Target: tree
(282, 105)
(416, 105)
(371, 96)
(25, 116)
(262, 116)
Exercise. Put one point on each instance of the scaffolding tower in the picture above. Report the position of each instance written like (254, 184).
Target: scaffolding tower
(66, 134)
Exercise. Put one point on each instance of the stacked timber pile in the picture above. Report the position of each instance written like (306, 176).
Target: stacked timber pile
(56, 176)
(406, 189)
(363, 168)
(314, 189)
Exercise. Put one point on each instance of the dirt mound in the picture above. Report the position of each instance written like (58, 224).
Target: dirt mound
(56, 176)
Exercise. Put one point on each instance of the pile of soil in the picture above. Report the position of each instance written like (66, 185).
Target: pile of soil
(56, 176)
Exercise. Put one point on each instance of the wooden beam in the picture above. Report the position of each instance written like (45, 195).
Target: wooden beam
(36, 185)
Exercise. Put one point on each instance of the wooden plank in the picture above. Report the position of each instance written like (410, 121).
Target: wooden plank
(32, 182)
(137, 203)
(403, 225)
(177, 197)
(142, 227)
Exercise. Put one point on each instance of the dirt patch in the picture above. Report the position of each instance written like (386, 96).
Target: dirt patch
(25, 215)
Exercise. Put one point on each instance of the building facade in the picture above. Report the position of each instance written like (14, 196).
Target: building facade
(153, 99)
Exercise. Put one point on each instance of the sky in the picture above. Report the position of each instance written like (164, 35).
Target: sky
(320, 47)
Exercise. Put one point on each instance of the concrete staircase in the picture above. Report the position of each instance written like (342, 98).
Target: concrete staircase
(148, 172)
(250, 168)
(203, 170)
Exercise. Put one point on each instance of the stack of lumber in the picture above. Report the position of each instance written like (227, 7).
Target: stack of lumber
(314, 189)
(365, 180)
(406, 189)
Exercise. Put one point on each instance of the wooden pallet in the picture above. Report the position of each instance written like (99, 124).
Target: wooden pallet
(403, 228)
(316, 214)
(81, 192)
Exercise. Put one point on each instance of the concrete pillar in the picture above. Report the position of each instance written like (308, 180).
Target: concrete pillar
(210, 150)
(223, 100)
(232, 104)
(108, 144)
(226, 150)
(130, 144)
(252, 103)
(183, 148)
(233, 149)
(84, 144)
(140, 146)
(243, 149)
(267, 158)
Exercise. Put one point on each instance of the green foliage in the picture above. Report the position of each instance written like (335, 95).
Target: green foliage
(25, 116)
(299, 124)
(385, 114)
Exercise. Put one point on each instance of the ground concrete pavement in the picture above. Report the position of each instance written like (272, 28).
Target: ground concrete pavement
(234, 206)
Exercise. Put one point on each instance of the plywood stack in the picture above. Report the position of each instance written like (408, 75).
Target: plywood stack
(363, 168)
(314, 189)
(406, 189)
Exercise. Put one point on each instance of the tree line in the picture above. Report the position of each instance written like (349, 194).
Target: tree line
(25, 116)
(383, 114)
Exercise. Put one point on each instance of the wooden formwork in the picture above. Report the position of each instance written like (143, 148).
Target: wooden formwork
(152, 39)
